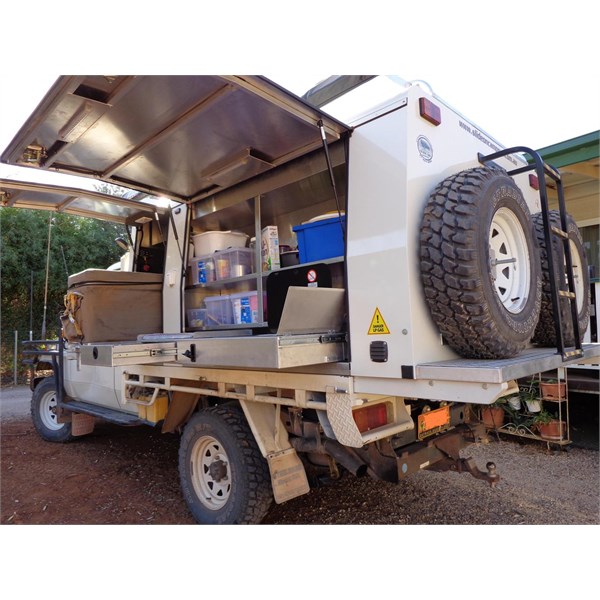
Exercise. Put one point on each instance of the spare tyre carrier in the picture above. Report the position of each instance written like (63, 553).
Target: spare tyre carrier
(542, 170)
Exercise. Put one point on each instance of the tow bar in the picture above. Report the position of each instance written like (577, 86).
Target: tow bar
(443, 454)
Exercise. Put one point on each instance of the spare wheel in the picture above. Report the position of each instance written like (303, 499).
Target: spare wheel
(480, 265)
(545, 333)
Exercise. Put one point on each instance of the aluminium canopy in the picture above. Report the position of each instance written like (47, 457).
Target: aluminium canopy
(183, 137)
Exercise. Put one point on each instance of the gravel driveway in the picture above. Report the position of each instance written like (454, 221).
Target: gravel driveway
(129, 475)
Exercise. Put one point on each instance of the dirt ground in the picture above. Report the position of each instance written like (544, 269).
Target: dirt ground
(129, 476)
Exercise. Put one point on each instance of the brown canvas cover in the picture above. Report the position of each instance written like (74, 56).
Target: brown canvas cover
(112, 306)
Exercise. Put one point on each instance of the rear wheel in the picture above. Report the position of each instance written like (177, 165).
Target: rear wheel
(44, 413)
(479, 266)
(545, 333)
(224, 477)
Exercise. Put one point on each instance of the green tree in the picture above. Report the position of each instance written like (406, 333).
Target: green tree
(76, 243)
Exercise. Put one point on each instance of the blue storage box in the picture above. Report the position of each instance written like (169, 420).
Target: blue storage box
(320, 239)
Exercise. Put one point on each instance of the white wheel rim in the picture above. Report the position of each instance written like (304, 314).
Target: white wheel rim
(211, 475)
(48, 412)
(509, 260)
(576, 262)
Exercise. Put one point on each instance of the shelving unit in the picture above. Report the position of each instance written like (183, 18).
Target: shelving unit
(300, 193)
(521, 422)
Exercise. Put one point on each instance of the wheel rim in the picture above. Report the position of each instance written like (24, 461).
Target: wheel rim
(211, 473)
(577, 275)
(509, 260)
(48, 412)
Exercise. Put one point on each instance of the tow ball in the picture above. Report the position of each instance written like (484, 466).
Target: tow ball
(468, 464)
(450, 447)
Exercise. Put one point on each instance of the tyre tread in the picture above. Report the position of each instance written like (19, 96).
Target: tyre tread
(450, 271)
(258, 478)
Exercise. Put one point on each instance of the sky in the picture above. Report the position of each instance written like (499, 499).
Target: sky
(527, 73)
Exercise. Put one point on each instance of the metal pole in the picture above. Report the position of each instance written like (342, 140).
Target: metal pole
(46, 284)
(31, 309)
(15, 360)
(65, 261)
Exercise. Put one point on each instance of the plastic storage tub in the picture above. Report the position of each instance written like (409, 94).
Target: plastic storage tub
(234, 262)
(320, 239)
(196, 317)
(202, 270)
(218, 311)
(211, 241)
(245, 307)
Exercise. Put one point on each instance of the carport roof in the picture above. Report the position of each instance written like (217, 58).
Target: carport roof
(576, 150)
(578, 161)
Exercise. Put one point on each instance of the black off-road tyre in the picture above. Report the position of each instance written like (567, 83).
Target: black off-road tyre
(224, 477)
(465, 222)
(43, 413)
(545, 333)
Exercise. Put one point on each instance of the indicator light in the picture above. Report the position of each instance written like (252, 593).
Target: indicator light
(370, 417)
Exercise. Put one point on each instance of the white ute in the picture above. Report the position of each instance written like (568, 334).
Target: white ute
(318, 295)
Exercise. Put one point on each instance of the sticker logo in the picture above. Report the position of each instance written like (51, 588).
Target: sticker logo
(425, 148)
(311, 276)
(378, 325)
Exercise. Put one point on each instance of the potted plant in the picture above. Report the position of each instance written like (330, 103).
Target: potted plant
(553, 389)
(549, 427)
(530, 397)
(492, 415)
(514, 401)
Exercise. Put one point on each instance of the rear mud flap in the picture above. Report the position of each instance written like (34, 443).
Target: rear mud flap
(288, 476)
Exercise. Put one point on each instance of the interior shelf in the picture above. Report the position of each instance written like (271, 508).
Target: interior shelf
(254, 276)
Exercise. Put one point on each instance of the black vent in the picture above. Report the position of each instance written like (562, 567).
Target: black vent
(378, 351)
(87, 91)
(408, 372)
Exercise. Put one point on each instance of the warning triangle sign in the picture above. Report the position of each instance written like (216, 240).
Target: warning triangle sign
(378, 325)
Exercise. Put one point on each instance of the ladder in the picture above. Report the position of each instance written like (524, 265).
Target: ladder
(542, 170)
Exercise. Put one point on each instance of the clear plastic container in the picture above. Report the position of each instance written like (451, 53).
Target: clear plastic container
(218, 311)
(202, 270)
(234, 262)
(245, 307)
(196, 317)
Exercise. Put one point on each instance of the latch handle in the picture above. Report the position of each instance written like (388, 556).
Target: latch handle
(191, 353)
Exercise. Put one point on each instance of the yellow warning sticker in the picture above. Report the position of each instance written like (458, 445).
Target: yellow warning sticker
(378, 325)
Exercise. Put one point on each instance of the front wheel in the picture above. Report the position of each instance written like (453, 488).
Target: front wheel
(44, 413)
(224, 477)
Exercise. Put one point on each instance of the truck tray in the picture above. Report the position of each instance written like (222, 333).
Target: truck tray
(534, 360)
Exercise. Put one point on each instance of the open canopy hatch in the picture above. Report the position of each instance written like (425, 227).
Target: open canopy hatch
(183, 137)
(83, 203)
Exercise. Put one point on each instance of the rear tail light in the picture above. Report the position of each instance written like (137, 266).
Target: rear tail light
(429, 111)
(371, 417)
(534, 182)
